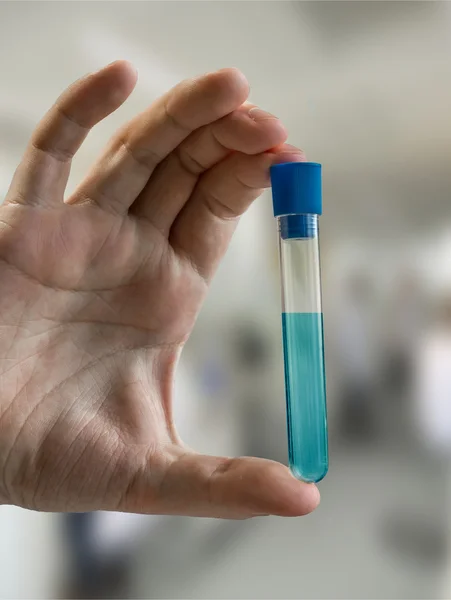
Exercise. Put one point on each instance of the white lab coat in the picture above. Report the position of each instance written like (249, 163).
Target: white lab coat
(432, 414)
(432, 407)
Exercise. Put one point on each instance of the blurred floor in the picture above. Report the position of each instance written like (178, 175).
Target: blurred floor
(365, 495)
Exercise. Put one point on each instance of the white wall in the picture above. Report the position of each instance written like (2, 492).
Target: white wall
(30, 554)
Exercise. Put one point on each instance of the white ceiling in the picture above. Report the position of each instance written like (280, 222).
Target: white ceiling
(364, 87)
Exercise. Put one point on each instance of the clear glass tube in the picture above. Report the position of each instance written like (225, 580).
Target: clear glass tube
(303, 346)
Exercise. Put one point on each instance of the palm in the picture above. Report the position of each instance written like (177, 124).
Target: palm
(98, 298)
(114, 269)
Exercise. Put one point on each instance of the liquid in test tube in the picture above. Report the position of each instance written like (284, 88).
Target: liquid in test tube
(297, 201)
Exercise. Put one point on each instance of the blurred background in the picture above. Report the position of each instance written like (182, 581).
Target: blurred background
(365, 89)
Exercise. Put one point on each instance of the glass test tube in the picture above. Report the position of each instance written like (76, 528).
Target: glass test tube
(297, 201)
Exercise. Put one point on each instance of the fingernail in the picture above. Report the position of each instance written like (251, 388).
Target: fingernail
(291, 148)
(316, 497)
(257, 114)
(289, 154)
(102, 68)
(117, 61)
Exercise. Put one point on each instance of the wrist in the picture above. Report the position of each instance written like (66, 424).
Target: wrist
(4, 450)
(3, 494)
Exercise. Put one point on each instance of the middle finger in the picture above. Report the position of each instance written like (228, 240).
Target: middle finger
(248, 130)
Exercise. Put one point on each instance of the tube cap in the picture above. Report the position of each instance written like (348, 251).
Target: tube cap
(296, 188)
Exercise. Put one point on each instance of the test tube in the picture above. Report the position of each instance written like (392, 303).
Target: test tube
(297, 202)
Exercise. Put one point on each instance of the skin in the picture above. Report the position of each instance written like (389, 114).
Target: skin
(100, 291)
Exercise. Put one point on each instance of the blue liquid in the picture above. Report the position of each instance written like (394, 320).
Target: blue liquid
(305, 385)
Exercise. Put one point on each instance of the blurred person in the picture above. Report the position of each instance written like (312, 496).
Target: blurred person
(354, 352)
(93, 572)
(420, 533)
(432, 409)
(100, 291)
(252, 354)
(403, 328)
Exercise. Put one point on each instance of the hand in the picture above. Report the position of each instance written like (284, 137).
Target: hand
(100, 291)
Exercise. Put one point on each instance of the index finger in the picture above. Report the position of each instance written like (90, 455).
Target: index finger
(42, 175)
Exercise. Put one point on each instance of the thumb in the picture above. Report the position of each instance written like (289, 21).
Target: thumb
(231, 488)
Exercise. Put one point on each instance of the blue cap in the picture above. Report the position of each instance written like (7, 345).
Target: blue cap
(296, 189)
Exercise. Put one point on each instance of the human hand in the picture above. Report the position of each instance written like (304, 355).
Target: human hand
(99, 292)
